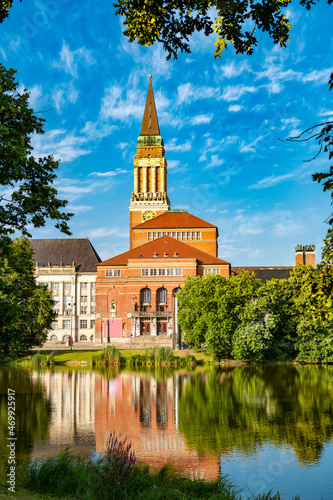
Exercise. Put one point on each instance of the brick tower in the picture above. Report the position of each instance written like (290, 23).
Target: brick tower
(149, 197)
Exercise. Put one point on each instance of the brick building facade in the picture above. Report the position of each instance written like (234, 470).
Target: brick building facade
(135, 291)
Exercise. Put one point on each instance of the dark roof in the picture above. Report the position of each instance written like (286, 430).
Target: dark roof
(266, 273)
(66, 250)
(168, 245)
(150, 121)
(174, 220)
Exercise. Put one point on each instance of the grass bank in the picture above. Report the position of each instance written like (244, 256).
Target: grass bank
(117, 476)
(128, 356)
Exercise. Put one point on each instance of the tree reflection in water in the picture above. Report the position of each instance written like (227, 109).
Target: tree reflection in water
(240, 409)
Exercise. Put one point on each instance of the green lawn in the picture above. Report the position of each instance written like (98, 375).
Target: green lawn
(77, 356)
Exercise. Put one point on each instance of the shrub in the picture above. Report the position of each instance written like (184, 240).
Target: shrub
(120, 459)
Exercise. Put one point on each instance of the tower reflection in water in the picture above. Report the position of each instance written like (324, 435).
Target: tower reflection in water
(145, 410)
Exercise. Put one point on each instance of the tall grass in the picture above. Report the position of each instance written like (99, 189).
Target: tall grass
(43, 359)
(117, 476)
(109, 356)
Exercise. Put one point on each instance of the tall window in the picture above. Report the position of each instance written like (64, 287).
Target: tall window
(66, 324)
(145, 299)
(83, 323)
(54, 325)
(67, 285)
(84, 286)
(161, 299)
(54, 286)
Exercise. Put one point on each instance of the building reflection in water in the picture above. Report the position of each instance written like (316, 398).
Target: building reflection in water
(87, 407)
(72, 397)
(145, 411)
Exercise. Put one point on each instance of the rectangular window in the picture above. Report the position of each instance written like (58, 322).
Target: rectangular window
(170, 272)
(144, 272)
(92, 323)
(189, 235)
(198, 235)
(84, 310)
(116, 273)
(84, 285)
(93, 286)
(67, 285)
(178, 272)
(212, 271)
(174, 234)
(66, 324)
(84, 298)
(159, 234)
(161, 272)
(108, 273)
(150, 235)
(92, 310)
(169, 233)
(164, 233)
(54, 286)
(153, 272)
(93, 298)
(83, 323)
(155, 235)
(179, 235)
(183, 235)
(54, 325)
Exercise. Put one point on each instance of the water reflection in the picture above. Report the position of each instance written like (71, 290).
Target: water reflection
(201, 420)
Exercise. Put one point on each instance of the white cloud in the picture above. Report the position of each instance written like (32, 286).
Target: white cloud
(35, 93)
(214, 162)
(230, 70)
(118, 108)
(188, 93)
(78, 209)
(318, 76)
(234, 108)
(101, 232)
(182, 148)
(233, 93)
(286, 227)
(64, 93)
(326, 112)
(246, 148)
(199, 119)
(172, 164)
(111, 173)
(69, 59)
(66, 146)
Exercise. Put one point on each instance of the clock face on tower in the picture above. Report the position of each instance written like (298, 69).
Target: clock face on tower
(147, 215)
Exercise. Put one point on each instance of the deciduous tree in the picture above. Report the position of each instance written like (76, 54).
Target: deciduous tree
(27, 194)
(172, 22)
(25, 307)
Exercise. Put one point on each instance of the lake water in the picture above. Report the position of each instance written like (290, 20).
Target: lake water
(268, 427)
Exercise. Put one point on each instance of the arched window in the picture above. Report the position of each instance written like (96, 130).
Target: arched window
(145, 299)
(161, 299)
(83, 337)
(54, 338)
(113, 308)
(174, 291)
(65, 337)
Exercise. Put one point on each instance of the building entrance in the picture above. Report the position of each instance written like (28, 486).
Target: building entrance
(144, 328)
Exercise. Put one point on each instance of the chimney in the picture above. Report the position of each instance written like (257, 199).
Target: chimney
(305, 255)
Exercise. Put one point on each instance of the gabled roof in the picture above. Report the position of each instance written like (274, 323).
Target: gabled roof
(150, 121)
(66, 250)
(174, 220)
(163, 245)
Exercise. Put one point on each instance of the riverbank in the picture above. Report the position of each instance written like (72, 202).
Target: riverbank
(116, 476)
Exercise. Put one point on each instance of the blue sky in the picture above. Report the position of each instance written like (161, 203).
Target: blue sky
(221, 121)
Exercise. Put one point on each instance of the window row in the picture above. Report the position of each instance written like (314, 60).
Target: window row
(66, 324)
(115, 273)
(84, 310)
(84, 298)
(212, 271)
(162, 272)
(83, 338)
(179, 235)
(68, 285)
